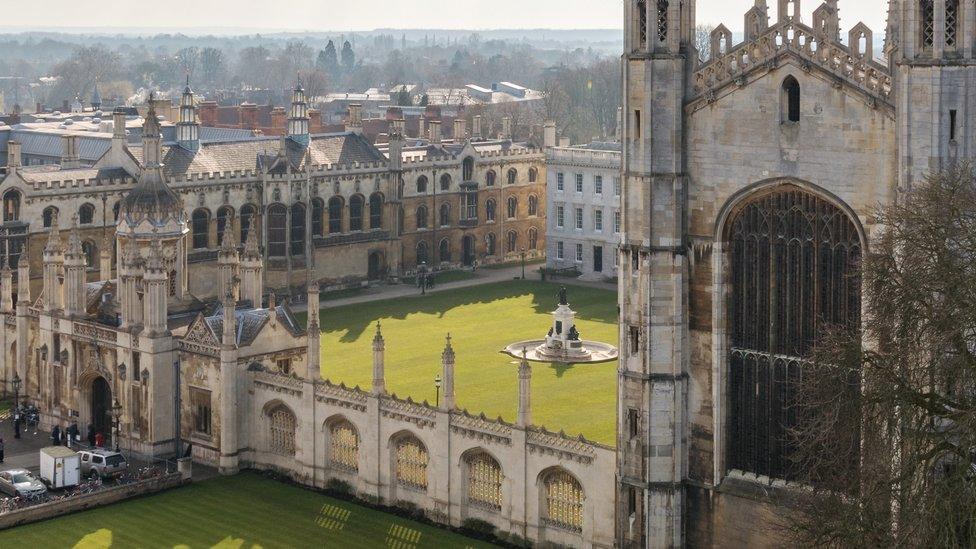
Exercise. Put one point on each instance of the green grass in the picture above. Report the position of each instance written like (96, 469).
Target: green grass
(444, 277)
(482, 320)
(246, 511)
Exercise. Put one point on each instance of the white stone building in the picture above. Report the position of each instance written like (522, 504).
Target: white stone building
(583, 201)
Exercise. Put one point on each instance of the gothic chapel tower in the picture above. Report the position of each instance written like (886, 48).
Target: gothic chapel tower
(653, 376)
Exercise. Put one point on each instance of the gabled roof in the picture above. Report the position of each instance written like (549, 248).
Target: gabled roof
(208, 329)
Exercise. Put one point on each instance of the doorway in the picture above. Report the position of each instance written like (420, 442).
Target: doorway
(376, 269)
(467, 246)
(597, 259)
(101, 406)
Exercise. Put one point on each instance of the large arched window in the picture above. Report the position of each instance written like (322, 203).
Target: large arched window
(277, 230)
(791, 100)
(511, 242)
(11, 206)
(344, 446)
(422, 217)
(564, 501)
(48, 216)
(281, 431)
(794, 272)
(376, 211)
(533, 238)
(423, 253)
(512, 176)
(248, 212)
(446, 182)
(533, 205)
(335, 215)
(225, 215)
(411, 463)
(490, 207)
(484, 481)
(490, 178)
(490, 245)
(467, 169)
(201, 229)
(86, 214)
(298, 229)
(512, 207)
(533, 175)
(318, 217)
(422, 184)
(356, 206)
(444, 250)
(445, 217)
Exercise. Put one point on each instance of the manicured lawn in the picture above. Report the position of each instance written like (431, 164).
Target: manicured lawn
(246, 511)
(481, 320)
(444, 277)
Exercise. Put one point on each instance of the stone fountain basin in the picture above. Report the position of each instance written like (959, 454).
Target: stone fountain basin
(592, 352)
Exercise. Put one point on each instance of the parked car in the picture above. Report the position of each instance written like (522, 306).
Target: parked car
(21, 482)
(102, 463)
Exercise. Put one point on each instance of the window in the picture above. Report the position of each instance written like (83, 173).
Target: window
(422, 217)
(91, 253)
(248, 213)
(422, 184)
(579, 253)
(86, 214)
(318, 217)
(484, 482)
(579, 183)
(512, 242)
(533, 206)
(637, 125)
(490, 178)
(281, 431)
(344, 447)
(11, 206)
(283, 365)
(533, 175)
(579, 219)
(927, 23)
(641, 24)
(560, 216)
(790, 281)
(616, 186)
(200, 403)
(512, 176)
(467, 169)
(376, 211)
(598, 220)
(564, 501)
(662, 20)
(533, 238)
(560, 181)
(445, 215)
(48, 216)
(791, 100)
(490, 210)
(201, 229)
(470, 205)
(277, 230)
(598, 184)
(632, 422)
(411, 463)
(559, 251)
(423, 254)
(634, 340)
(356, 205)
(444, 249)
(298, 229)
(224, 215)
(512, 207)
(446, 182)
(952, 124)
(616, 222)
(951, 22)
(335, 215)
(490, 244)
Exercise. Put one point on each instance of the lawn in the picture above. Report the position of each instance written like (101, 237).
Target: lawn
(246, 511)
(481, 320)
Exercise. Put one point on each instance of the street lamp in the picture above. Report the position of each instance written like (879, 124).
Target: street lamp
(16, 383)
(522, 254)
(116, 415)
(437, 384)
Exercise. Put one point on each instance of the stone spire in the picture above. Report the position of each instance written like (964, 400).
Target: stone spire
(53, 269)
(155, 298)
(524, 391)
(228, 265)
(379, 368)
(96, 98)
(252, 268)
(152, 135)
(6, 289)
(447, 360)
(314, 335)
(75, 267)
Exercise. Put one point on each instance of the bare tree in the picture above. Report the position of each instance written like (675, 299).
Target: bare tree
(886, 436)
(703, 41)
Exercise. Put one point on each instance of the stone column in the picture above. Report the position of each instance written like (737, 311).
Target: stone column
(314, 334)
(229, 459)
(379, 374)
(447, 360)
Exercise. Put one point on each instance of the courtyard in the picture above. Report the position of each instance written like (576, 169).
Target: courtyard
(578, 399)
(246, 511)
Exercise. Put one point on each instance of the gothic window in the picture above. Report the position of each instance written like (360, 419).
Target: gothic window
(512, 242)
(490, 209)
(344, 447)
(200, 403)
(422, 217)
(662, 20)
(48, 216)
(356, 205)
(298, 229)
(200, 221)
(484, 482)
(91, 253)
(512, 207)
(791, 100)
(490, 243)
(490, 178)
(794, 273)
(277, 230)
(642, 23)
(423, 254)
(512, 176)
(533, 175)
(281, 431)
(445, 250)
(247, 217)
(927, 22)
(533, 238)
(11, 206)
(467, 169)
(533, 205)
(445, 217)
(422, 184)
(115, 210)
(411, 463)
(446, 182)
(376, 211)
(469, 206)
(335, 215)
(86, 214)
(564, 501)
(225, 215)
(318, 216)
(951, 23)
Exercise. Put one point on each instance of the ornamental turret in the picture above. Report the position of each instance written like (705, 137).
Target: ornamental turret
(75, 267)
(298, 117)
(188, 129)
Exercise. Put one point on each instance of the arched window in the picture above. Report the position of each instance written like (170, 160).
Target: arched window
(201, 229)
(791, 100)
(533, 175)
(281, 431)
(490, 244)
(512, 207)
(335, 215)
(662, 20)
(115, 210)
(445, 217)
(794, 273)
(512, 176)
(422, 217)
(422, 184)
(91, 253)
(247, 217)
(277, 230)
(298, 229)
(411, 463)
(490, 209)
(225, 215)
(356, 205)
(533, 238)
(484, 481)
(927, 23)
(511, 242)
(446, 182)
(445, 251)
(318, 217)
(11, 206)
(423, 254)
(490, 178)
(533, 205)
(86, 214)
(344, 446)
(376, 211)
(467, 169)
(564, 501)
(951, 22)
(641, 24)
(48, 216)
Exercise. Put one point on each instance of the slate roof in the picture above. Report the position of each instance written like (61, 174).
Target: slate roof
(251, 321)
(53, 172)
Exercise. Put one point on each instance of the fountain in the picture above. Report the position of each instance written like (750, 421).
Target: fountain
(563, 343)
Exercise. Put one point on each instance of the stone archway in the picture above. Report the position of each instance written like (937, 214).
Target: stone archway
(376, 268)
(100, 406)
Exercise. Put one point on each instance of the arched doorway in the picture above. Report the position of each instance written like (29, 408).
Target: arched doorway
(376, 268)
(467, 245)
(101, 406)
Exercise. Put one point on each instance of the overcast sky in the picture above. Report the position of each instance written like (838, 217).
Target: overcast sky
(311, 15)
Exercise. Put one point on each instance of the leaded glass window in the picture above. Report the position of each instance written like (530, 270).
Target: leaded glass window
(484, 482)
(951, 23)
(411, 464)
(927, 21)
(345, 446)
(564, 501)
(282, 431)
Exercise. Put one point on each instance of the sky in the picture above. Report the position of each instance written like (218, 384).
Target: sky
(223, 16)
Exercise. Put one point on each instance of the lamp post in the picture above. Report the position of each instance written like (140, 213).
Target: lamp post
(437, 384)
(522, 255)
(116, 415)
(16, 383)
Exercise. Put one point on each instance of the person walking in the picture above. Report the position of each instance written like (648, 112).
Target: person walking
(56, 436)
(91, 436)
(16, 425)
(99, 440)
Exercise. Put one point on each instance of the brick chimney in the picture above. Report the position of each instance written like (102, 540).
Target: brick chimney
(279, 118)
(315, 121)
(207, 111)
(248, 116)
(13, 155)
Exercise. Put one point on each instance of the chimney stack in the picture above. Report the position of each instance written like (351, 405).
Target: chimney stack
(13, 155)
(355, 123)
(476, 127)
(460, 130)
(506, 127)
(549, 134)
(435, 131)
(69, 151)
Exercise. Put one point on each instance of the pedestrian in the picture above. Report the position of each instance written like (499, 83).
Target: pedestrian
(91, 435)
(17, 425)
(56, 436)
(1, 449)
(72, 434)
(99, 440)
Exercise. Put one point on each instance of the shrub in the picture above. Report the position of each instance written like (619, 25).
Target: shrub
(478, 527)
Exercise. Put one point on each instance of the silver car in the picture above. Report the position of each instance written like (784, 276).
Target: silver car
(21, 482)
(102, 463)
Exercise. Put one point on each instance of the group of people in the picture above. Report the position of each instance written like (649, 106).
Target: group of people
(66, 436)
